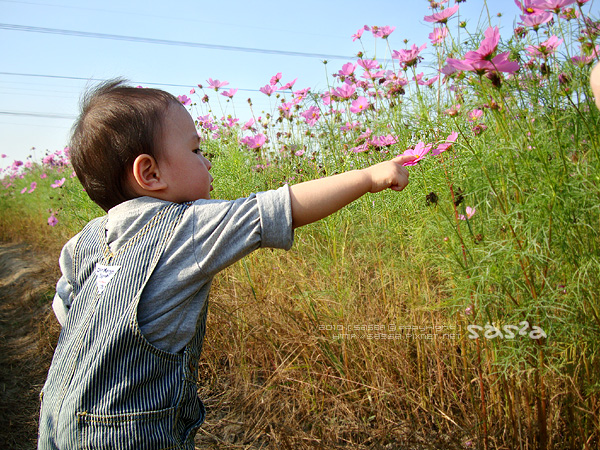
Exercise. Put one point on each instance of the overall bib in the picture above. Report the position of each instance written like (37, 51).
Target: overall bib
(108, 387)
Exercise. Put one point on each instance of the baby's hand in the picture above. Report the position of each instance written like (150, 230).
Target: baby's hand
(389, 174)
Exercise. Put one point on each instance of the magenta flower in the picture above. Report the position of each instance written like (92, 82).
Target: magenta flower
(269, 89)
(427, 82)
(52, 220)
(475, 115)
(470, 212)
(442, 16)
(383, 141)
(359, 105)
(438, 35)
(557, 5)
(420, 151)
(408, 57)
(311, 115)
(24, 190)
(285, 109)
(32, 187)
(358, 34)
(382, 32)
(536, 20)
(347, 70)
(43, 175)
(275, 78)
(368, 64)
(256, 141)
(344, 91)
(216, 84)
(545, 48)
(446, 145)
(288, 85)
(230, 93)
(531, 6)
(58, 183)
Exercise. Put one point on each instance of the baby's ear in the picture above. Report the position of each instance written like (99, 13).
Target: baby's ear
(147, 174)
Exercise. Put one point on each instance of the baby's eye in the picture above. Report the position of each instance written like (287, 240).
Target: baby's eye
(197, 151)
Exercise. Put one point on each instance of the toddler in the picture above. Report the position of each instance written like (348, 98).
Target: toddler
(133, 295)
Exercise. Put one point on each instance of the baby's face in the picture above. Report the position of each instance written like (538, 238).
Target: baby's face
(181, 163)
(595, 83)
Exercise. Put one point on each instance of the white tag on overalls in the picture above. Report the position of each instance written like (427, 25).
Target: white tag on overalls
(104, 274)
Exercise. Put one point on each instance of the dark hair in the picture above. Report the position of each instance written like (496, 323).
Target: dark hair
(117, 123)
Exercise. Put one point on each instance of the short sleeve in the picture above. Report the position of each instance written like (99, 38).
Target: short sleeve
(276, 218)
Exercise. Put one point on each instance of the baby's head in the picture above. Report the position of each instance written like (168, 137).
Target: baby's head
(130, 142)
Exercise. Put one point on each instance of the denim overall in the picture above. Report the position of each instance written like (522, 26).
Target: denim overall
(108, 387)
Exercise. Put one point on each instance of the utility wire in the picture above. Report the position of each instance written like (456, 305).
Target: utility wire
(117, 37)
(40, 115)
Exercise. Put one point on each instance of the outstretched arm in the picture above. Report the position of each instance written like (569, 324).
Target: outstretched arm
(313, 200)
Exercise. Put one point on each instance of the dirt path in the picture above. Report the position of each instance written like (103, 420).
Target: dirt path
(28, 333)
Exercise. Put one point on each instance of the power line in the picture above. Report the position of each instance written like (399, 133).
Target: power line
(39, 115)
(117, 37)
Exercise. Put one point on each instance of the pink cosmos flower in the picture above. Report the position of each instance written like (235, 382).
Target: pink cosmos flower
(268, 89)
(24, 190)
(230, 93)
(368, 64)
(383, 141)
(446, 145)
(350, 126)
(408, 57)
(536, 20)
(43, 175)
(52, 220)
(288, 85)
(470, 212)
(275, 78)
(347, 69)
(359, 105)
(438, 35)
(58, 183)
(475, 114)
(344, 91)
(255, 141)
(285, 109)
(311, 115)
(358, 34)
(216, 84)
(248, 125)
(32, 187)
(557, 5)
(300, 94)
(420, 151)
(442, 16)
(531, 6)
(382, 32)
(545, 48)
(426, 82)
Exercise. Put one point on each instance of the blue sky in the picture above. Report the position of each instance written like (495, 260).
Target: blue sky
(37, 111)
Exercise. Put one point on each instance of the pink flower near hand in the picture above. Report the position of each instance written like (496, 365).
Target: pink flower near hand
(230, 93)
(359, 105)
(420, 151)
(442, 16)
(470, 212)
(446, 145)
(216, 84)
(58, 183)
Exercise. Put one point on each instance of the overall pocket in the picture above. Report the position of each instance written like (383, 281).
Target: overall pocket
(130, 431)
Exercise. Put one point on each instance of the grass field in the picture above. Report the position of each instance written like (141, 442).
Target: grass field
(463, 312)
